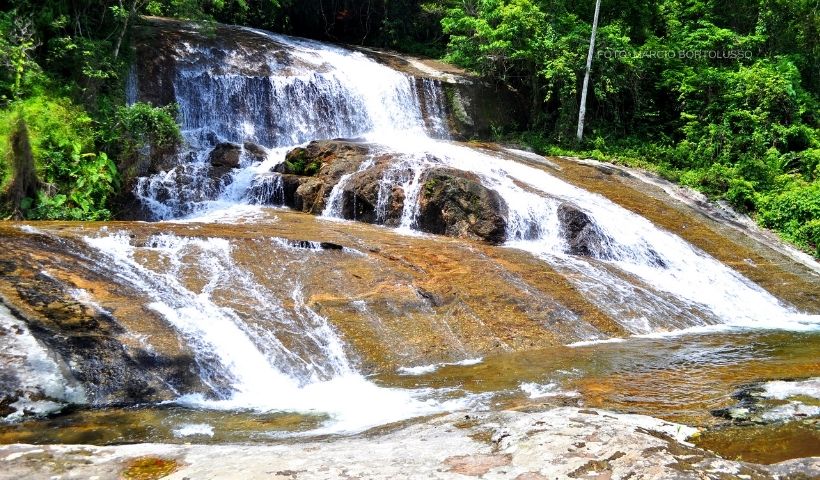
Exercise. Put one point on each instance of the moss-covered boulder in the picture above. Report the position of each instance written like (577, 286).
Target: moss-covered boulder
(326, 158)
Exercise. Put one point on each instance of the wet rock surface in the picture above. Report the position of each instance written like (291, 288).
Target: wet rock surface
(582, 235)
(361, 196)
(761, 403)
(451, 202)
(559, 443)
(456, 204)
(224, 157)
(44, 283)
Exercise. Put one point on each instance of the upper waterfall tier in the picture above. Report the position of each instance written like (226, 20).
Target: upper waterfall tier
(242, 84)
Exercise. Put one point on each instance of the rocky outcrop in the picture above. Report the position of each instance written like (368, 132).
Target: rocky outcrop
(308, 174)
(583, 237)
(456, 204)
(451, 202)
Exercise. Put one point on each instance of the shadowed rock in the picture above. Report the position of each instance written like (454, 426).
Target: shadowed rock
(94, 345)
(582, 235)
(256, 152)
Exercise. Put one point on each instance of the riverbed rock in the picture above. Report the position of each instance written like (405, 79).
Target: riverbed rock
(754, 405)
(46, 285)
(559, 443)
(455, 203)
(309, 173)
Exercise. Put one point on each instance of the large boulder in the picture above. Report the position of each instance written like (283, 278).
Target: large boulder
(309, 174)
(455, 203)
(582, 235)
(224, 157)
(366, 198)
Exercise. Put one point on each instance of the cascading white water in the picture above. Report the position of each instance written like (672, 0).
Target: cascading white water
(678, 279)
(244, 360)
(316, 91)
(324, 92)
(334, 200)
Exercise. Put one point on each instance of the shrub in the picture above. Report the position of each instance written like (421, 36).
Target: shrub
(794, 211)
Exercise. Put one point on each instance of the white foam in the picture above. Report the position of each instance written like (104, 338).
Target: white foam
(587, 343)
(790, 411)
(679, 278)
(425, 369)
(30, 229)
(194, 430)
(538, 390)
(782, 390)
(352, 403)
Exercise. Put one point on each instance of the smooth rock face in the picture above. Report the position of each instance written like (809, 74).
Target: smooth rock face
(456, 204)
(560, 443)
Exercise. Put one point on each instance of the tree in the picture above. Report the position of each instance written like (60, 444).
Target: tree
(583, 109)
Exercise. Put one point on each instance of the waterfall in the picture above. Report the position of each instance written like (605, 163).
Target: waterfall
(306, 90)
(311, 90)
(253, 350)
(645, 278)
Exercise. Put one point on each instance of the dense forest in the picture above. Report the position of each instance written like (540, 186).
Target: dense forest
(717, 95)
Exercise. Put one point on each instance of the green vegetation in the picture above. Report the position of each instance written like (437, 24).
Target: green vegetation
(63, 100)
(721, 96)
(299, 163)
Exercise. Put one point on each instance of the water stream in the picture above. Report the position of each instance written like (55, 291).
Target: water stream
(234, 318)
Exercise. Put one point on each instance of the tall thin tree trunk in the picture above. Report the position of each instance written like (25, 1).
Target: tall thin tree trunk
(24, 183)
(583, 110)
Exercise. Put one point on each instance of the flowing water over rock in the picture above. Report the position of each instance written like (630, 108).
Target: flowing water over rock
(235, 303)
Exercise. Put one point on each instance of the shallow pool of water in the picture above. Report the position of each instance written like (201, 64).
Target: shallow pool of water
(681, 379)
